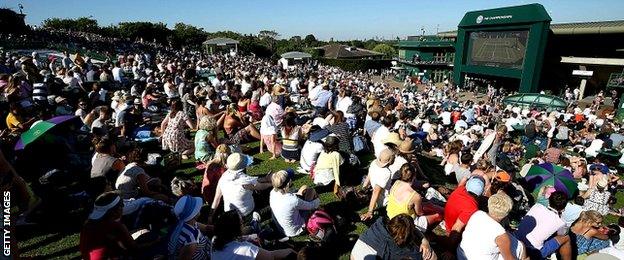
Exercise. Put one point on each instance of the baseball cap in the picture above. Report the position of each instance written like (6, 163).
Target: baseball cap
(475, 185)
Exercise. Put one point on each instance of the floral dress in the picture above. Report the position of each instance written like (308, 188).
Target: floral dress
(598, 201)
(174, 138)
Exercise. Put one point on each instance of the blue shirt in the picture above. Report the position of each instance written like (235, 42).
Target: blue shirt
(322, 98)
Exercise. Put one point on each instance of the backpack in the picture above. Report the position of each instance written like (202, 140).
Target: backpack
(359, 144)
(321, 226)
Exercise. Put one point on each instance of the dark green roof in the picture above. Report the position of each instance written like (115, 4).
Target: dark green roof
(528, 100)
(506, 15)
(426, 44)
(599, 27)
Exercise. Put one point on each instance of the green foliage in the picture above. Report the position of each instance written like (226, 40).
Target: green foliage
(356, 64)
(82, 24)
(188, 35)
(316, 53)
(386, 49)
(357, 43)
(310, 40)
(145, 30)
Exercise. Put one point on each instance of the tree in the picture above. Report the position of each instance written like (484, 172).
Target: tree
(82, 24)
(187, 35)
(145, 30)
(357, 43)
(309, 40)
(269, 37)
(386, 49)
(296, 39)
(270, 34)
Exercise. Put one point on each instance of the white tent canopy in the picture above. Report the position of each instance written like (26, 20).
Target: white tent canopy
(296, 55)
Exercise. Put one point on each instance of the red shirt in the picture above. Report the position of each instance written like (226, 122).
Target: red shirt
(209, 183)
(460, 205)
(455, 116)
(101, 240)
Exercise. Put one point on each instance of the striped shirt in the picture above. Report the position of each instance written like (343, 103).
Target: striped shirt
(192, 235)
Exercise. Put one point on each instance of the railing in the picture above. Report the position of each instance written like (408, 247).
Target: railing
(424, 62)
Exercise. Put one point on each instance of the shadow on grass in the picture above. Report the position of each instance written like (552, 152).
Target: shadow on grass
(61, 254)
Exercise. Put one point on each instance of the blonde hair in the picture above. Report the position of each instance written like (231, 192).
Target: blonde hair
(221, 154)
(499, 205)
(207, 123)
(590, 216)
(279, 181)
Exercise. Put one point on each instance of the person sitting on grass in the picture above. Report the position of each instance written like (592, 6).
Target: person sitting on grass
(188, 240)
(543, 231)
(205, 140)
(327, 169)
(290, 209)
(291, 134)
(133, 181)
(380, 179)
(485, 238)
(460, 206)
(103, 236)
(214, 170)
(236, 187)
(228, 241)
(396, 238)
(404, 199)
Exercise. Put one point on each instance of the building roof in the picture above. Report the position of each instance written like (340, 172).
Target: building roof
(600, 27)
(220, 41)
(296, 55)
(338, 51)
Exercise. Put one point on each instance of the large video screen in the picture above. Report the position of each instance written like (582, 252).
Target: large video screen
(504, 49)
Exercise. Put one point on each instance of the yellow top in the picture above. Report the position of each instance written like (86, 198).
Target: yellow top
(12, 122)
(395, 207)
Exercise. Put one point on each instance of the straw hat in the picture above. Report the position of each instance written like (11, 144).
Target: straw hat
(385, 157)
(278, 90)
(238, 161)
(393, 138)
(407, 146)
(602, 183)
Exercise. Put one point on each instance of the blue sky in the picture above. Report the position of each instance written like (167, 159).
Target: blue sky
(338, 19)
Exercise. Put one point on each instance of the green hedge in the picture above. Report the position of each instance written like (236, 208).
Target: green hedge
(356, 65)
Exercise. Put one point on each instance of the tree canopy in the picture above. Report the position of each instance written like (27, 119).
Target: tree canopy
(266, 43)
(386, 49)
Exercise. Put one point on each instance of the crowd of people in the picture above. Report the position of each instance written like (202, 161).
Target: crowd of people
(448, 178)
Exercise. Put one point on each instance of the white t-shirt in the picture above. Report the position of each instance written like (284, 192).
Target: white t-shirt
(396, 166)
(236, 250)
(268, 126)
(245, 86)
(381, 177)
(294, 85)
(309, 154)
(538, 225)
(286, 208)
(479, 238)
(377, 140)
(343, 104)
(265, 100)
(234, 195)
(117, 74)
(446, 117)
